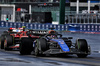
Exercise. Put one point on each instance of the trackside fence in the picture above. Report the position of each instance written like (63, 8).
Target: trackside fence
(65, 27)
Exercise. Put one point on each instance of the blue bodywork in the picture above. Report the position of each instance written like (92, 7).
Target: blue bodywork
(62, 44)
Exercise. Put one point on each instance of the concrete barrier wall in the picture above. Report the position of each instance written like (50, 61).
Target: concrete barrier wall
(65, 27)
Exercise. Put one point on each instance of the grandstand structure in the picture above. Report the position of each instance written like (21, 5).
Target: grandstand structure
(30, 6)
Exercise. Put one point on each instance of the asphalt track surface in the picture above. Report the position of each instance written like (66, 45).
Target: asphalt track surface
(13, 58)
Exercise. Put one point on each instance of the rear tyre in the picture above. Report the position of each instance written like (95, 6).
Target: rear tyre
(8, 42)
(26, 46)
(40, 46)
(2, 41)
(81, 45)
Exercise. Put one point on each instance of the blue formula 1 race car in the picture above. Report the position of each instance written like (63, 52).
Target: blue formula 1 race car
(54, 43)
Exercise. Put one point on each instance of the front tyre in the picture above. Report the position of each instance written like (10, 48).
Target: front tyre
(26, 46)
(40, 46)
(81, 45)
(36, 50)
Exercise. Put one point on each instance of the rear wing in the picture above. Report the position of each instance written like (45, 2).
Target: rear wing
(15, 29)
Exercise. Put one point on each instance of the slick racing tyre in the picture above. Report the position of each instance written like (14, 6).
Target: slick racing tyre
(5, 32)
(2, 41)
(26, 46)
(8, 42)
(81, 45)
(40, 46)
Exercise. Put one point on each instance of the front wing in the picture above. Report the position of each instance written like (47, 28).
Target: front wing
(59, 51)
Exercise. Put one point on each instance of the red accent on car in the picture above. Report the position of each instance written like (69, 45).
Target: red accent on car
(14, 47)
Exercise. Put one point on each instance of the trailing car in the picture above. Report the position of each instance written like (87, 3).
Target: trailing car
(54, 43)
(11, 39)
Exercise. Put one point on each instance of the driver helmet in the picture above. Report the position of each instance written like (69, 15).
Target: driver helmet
(23, 28)
(51, 32)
